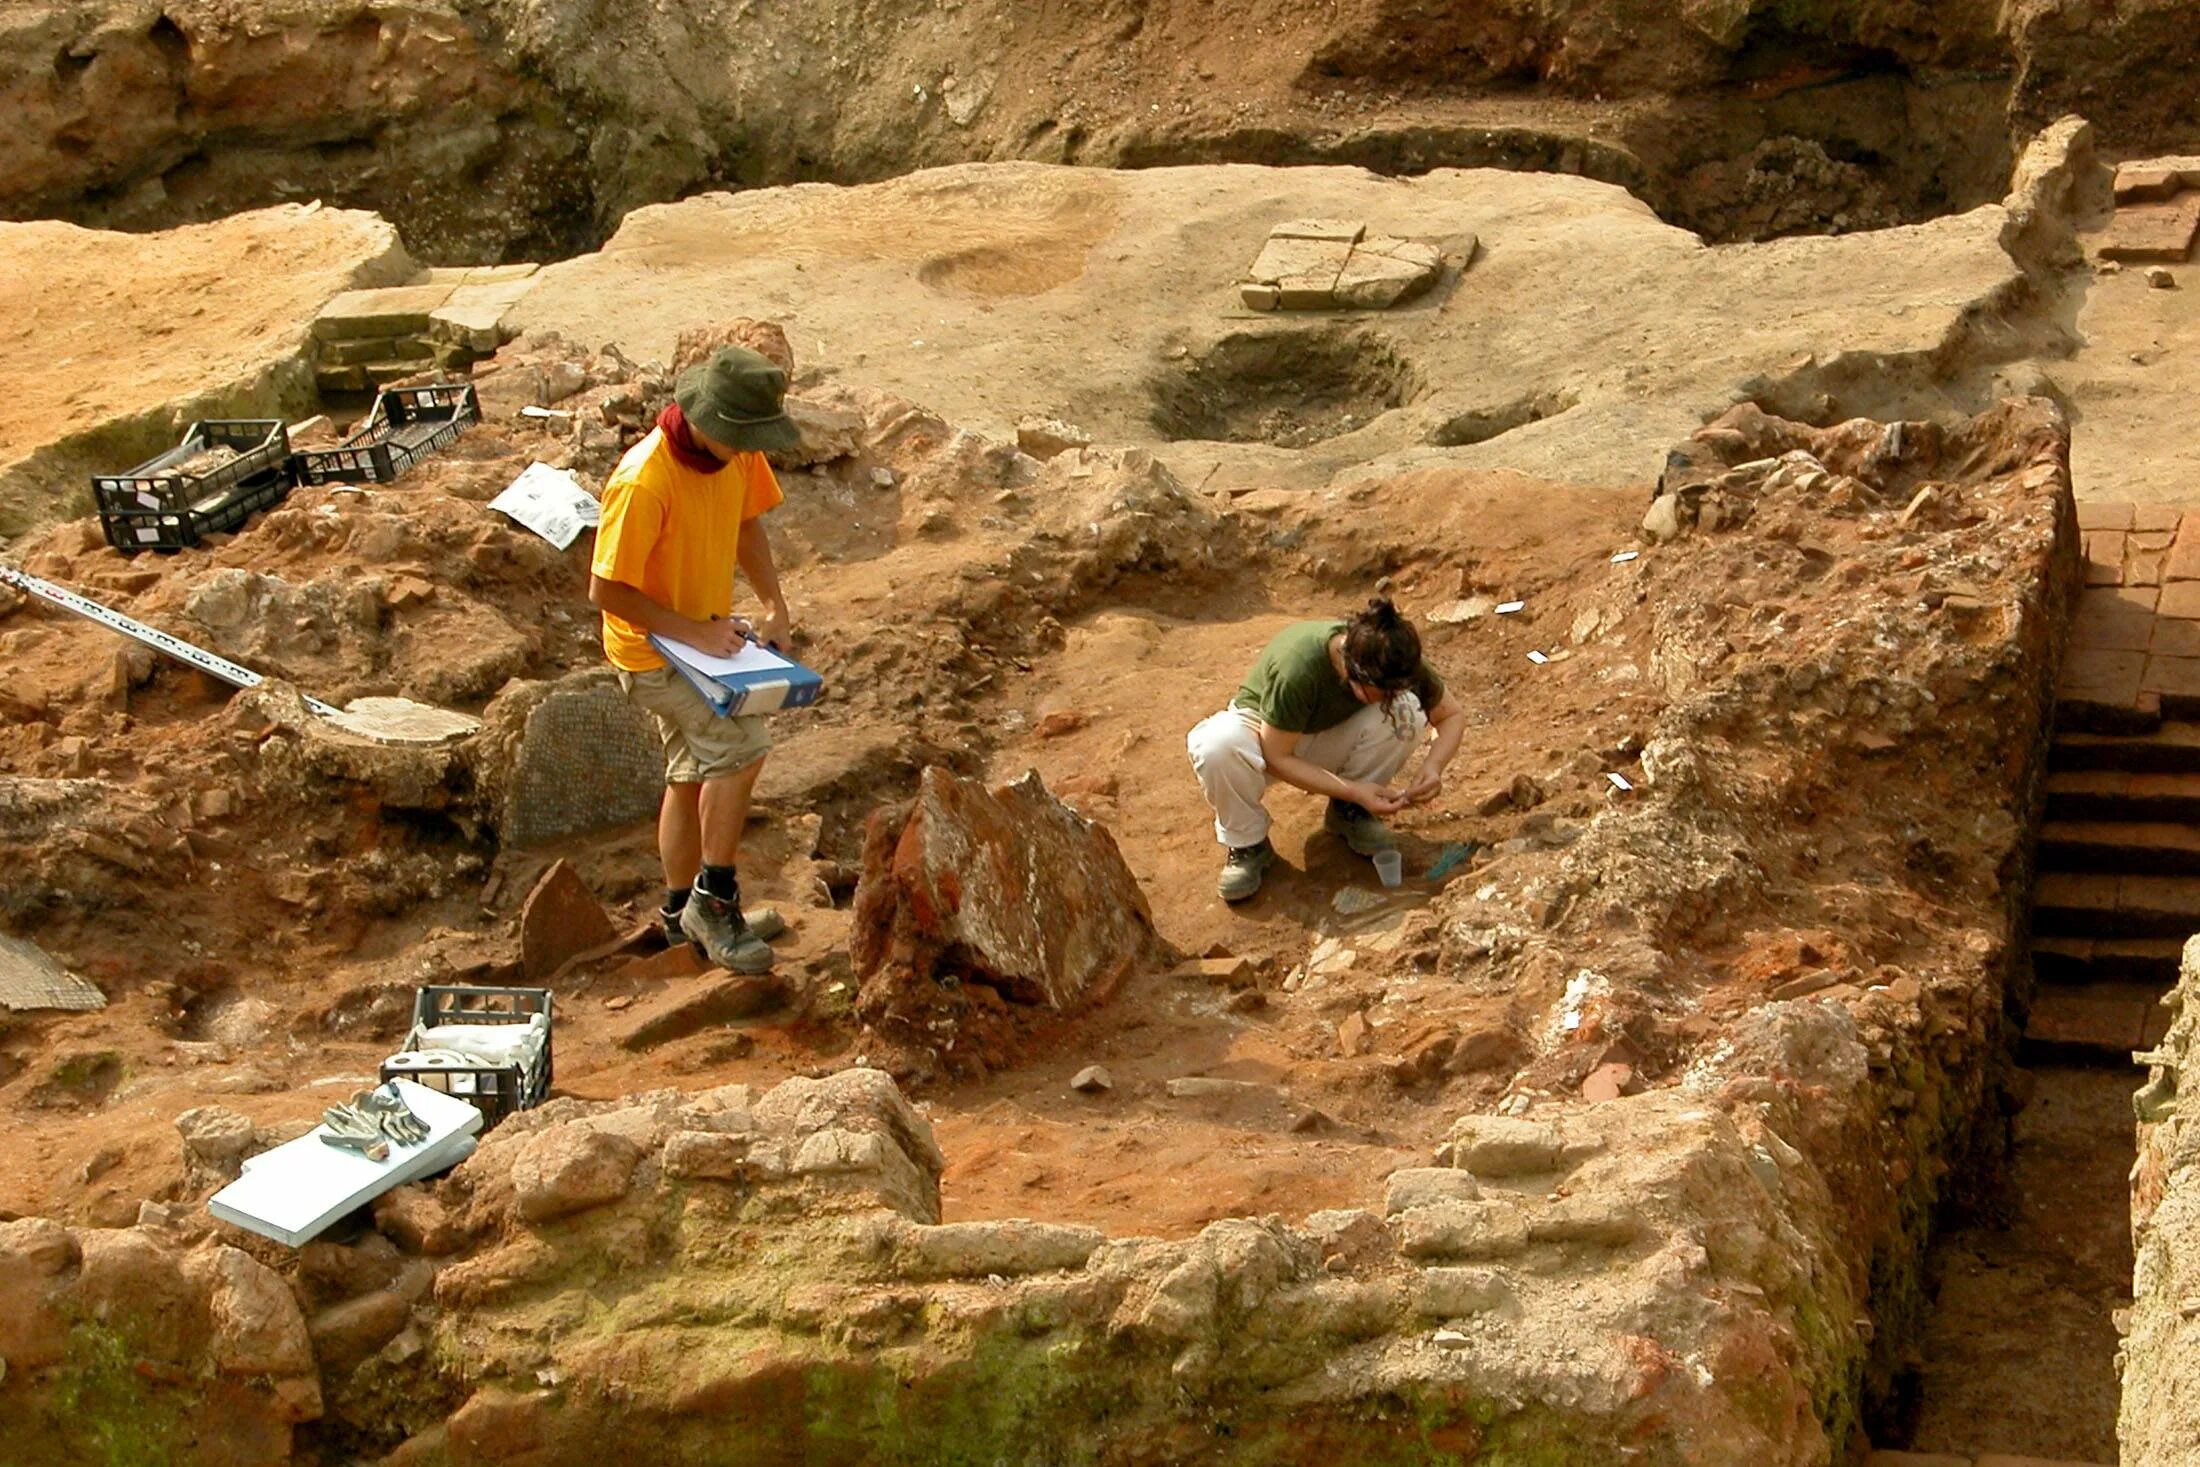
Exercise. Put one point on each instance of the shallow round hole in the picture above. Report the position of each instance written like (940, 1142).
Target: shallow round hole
(1292, 387)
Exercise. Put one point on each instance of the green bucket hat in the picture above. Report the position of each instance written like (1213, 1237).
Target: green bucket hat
(738, 398)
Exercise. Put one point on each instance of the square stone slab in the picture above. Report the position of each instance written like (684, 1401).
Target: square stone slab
(1347, 231)
(1300, 260)
(399, 310)
(2153, 232)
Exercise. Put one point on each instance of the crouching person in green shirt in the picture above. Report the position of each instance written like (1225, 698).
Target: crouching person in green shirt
(1333, 707)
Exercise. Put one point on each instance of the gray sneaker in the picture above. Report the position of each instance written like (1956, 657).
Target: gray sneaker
(1243, 869)
(716, 926)
(765, 922)
(1360, 830)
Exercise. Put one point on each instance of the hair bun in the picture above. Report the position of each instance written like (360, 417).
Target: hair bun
(1383, 610)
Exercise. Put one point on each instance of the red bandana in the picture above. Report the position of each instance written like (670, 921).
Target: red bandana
(681, 440)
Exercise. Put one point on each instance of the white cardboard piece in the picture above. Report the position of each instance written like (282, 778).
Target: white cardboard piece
(292, 1192)
(551, 502)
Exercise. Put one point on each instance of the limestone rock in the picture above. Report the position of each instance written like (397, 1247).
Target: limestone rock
(570, 1169)
(347, 1333)
(1045, 438)
(828, 433)
(216, 1140)
(560, 920)
(766, 338)
(1382, 272)
(1009, 1248)
(413, 1219)
(1503, 1146)
(854, 1131)
(1427, 1186)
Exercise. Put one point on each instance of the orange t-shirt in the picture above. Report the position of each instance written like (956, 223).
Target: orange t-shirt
(674, 535)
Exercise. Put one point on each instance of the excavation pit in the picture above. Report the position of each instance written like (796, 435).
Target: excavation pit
(1290, 387)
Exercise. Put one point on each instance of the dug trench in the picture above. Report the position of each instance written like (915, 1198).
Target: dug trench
(1624, 1139)
(1691, 1082)
(527, 130)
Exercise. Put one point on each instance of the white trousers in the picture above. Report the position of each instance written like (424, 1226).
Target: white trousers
(1225, 750)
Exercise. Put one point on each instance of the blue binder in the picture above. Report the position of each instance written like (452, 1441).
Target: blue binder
(754, 680)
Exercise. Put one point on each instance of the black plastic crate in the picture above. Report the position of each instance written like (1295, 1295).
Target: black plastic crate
(161, 505)
(407, 424)
(495, 1090)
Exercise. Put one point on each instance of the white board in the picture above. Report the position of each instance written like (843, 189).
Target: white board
(292, 1192)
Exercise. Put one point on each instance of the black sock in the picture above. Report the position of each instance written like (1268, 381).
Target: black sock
(719, 882)
(676, 897)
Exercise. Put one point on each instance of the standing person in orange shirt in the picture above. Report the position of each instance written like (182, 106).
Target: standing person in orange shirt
(679, 514)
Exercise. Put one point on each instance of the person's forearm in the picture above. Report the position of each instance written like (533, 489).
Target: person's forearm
(755, 557)
(630, 604)
(1449, 733)
(1312, 778)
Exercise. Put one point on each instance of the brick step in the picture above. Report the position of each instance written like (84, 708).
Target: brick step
(2107, 960)
(2116, 794)
(2102, 1023)
(2070, 905)
(2174, 748)
(2120, 846)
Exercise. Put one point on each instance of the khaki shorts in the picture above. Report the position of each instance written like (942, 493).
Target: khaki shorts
(699, 744)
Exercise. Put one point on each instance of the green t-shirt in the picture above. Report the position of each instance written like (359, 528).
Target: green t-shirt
(1295, 687)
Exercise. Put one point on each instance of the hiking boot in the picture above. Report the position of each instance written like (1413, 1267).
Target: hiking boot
(669, 919)
(1243, 869)
(765, 922)
(1359, 829)
(716, 926)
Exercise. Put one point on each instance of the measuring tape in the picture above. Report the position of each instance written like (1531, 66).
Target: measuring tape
(198, 657)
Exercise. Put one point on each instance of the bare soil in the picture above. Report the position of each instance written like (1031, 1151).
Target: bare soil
(2020, 1355)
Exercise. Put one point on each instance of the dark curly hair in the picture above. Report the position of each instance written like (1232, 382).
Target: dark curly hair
(1381, 649)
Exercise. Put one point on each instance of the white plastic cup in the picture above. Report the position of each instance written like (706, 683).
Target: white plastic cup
(1391, 867)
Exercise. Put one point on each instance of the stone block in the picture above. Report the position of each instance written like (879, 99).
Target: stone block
(340, 379)
(1011, 1248)
(1260, 297)
(2179, 601)
(1347, 231)
(1306, 292)
(2142, 182)
(2184, 552)
(374, 349)
(1453, 1293)
(473, 315)
(2176, 681)
(1504, 1146)
(2154, 518)
(2113, 678)
(2104, 557)
(2124, 629)
(2171, 637)
(570, 1169)
(1427, 1186)
(2100, 514)
(1382, 273)
(716, 1156)
(2160, 233)
(1462, 1230)
(1310, 263)
(397, 310)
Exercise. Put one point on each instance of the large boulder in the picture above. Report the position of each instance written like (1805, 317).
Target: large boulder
(1004, 889)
